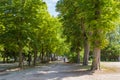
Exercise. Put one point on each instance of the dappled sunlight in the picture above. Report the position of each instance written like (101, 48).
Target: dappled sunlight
(54, 78)
(47, 72)
(60, 71)
(15, 69)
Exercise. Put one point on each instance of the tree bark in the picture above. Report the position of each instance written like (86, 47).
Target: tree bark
(86, 43)
(78, 57)
(35, 57)
(96, 50)
(3, 59)
(86, 52)
(42, 55)
(20, 58)
(96, 59)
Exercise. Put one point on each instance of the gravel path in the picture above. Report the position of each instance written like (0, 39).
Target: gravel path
(4, 66)
(64, 71)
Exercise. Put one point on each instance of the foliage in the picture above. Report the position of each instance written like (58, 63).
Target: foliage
(71, 23)
(72, 57)
(110, 53)
(26, 26)
(90, 20)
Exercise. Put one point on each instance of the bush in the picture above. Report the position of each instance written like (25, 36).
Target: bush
(110, 53)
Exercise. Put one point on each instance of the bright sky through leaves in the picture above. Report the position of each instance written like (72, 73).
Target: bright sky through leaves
(51, 6)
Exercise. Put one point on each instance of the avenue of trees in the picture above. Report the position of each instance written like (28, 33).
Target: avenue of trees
(87, 23)
(27, 30)
(83, 28)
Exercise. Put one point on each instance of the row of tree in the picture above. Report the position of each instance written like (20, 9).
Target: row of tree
(28, 31)
(26, 28)
(86, 24)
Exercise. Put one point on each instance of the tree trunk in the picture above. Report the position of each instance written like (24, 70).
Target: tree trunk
(48, 56)
(96, 59)
(86, 43)
(35, 57)
(7, 59)
(86, 52)
(42, 55)
(3, 58)
(20, 58)
(78, 57)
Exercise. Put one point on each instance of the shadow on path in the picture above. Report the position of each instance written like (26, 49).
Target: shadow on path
(60, 71)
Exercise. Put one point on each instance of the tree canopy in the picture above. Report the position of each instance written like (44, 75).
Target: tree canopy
(91, 19)
(26, 26)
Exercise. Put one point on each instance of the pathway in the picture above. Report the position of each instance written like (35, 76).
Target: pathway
(63, 71)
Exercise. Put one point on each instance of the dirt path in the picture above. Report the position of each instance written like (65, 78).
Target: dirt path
(5, 66)
(63, 71)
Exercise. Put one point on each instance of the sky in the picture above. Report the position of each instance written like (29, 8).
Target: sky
(51, 6)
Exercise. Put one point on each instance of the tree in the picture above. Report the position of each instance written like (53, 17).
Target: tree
(38, 10)
(17, 21)
(27, 27)
(73, 24)
(104, 21)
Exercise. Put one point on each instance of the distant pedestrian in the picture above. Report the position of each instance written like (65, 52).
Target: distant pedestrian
(64, 59)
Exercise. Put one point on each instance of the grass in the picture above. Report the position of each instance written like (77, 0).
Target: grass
(108, 69)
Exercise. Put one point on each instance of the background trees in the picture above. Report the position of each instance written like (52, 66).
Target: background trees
(73, 23)
(112, 51)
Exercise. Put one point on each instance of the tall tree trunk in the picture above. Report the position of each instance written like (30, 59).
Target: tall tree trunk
(86, 43)
(86, 52)
(96, 59)
(35, 57)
